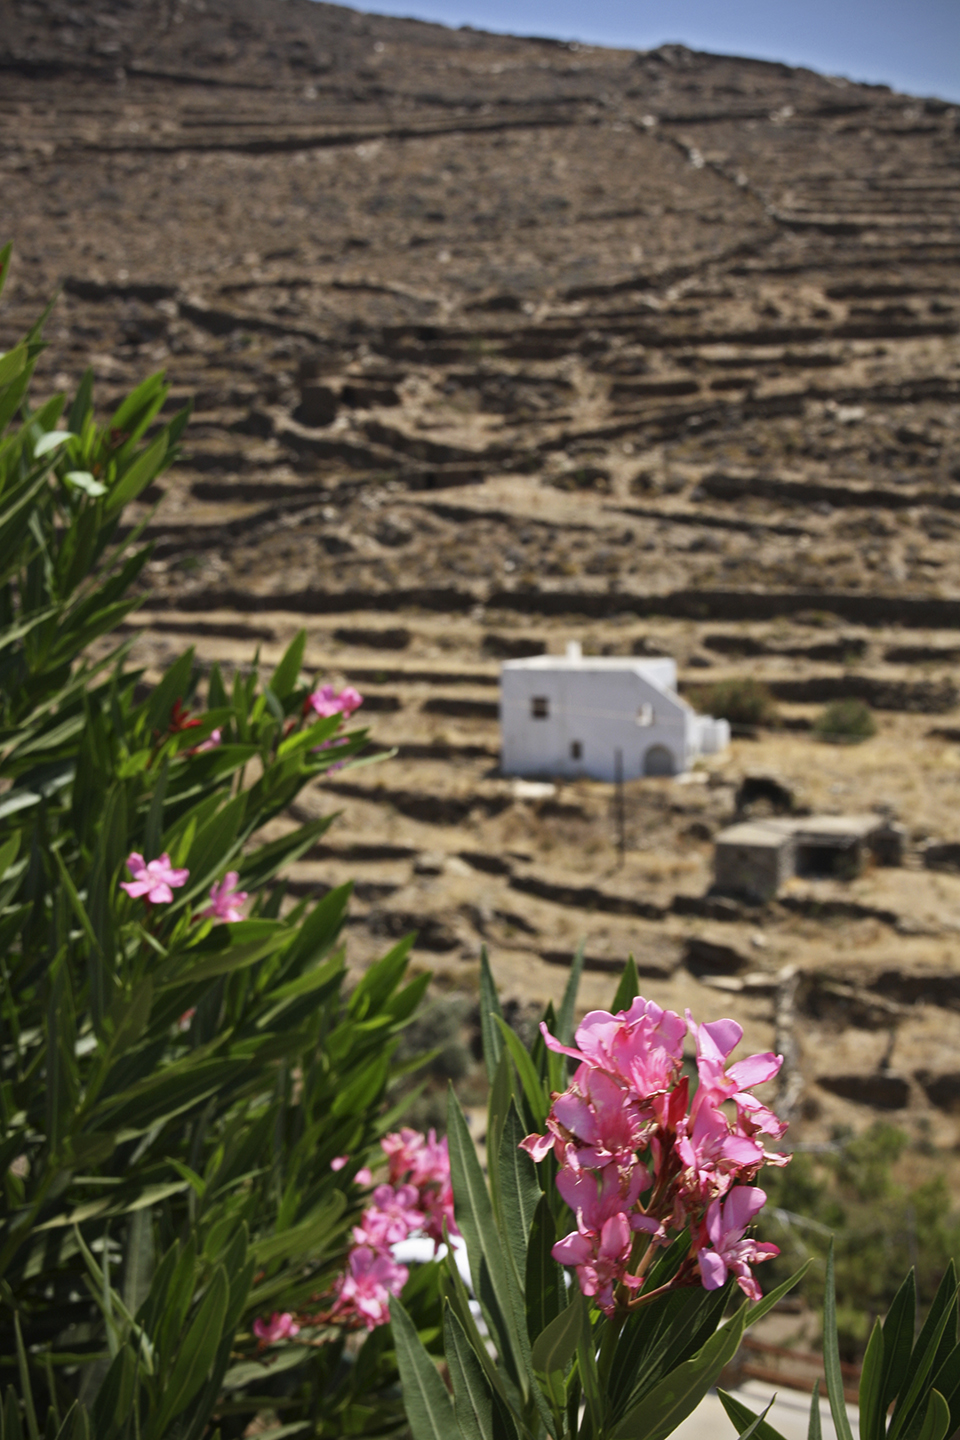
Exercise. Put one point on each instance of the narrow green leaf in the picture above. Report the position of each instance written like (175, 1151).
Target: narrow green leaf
(25, 1386)
(145, 468)
(831, 1356)
(428, 1406)
(490, 1011)
(530, 1081)
(197, 1350)
(679, 1393)
(898, 1332)
(472, 1397)
(814, 1428)
(872, 1418)
(761, 1307)
(555, 1347)
(747, 1422)
(936, 1422)
(13, 363)
(287, 672)
(474, 1212)
(544, 1288)
(628, 988)
(520, 1192)
(568, 1005)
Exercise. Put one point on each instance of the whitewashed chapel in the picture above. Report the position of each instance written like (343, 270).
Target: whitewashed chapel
(571, 715)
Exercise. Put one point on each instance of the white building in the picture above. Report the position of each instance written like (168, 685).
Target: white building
(571, 715)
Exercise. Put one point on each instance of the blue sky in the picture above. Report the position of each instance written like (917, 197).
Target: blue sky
(913, 45)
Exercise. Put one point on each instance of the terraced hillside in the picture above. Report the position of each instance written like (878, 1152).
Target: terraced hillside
(495, 343)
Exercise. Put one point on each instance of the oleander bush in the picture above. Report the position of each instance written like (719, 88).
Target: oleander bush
(188, 1087)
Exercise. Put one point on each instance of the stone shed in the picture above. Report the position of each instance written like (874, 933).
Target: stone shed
(756, 857)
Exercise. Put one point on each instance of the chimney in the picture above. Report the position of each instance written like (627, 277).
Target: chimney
(574, 650)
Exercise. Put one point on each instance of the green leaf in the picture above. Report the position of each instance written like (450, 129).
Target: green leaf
(13, 363)
(831, 1356)
(145, 468)
(520, 1192)
(474, 1212)
(568, 1005)
(490, 1012)
(25, 1387)
(679, 1393)
(814, 1428)
(196, 1353)
(746, 1421)
(555, 1347)
(761, 1307)
(531, 1084)
(628, 988)
(544, 1288)
(922, 1360)
(898, 1332)
(428, 1406)
(472, 1397)
(287, 672)
(872, 1418)
(936, 1422)
(82, 403)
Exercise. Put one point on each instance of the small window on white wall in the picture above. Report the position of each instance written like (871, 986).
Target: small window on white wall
(645, 715)
(539, 707)
(576, 749)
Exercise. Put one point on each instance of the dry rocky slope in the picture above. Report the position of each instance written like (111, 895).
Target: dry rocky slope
(496, 342)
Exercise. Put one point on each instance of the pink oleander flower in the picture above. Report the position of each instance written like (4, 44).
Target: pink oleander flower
(326, 702)
(423, 1161)
(212, 741)
(156, 880)
(638, 1159)
(278, 1327)
(726, 1224)
(362, 1295)
(392, 1217)
(642, 1046)
(595, 1122)
(600, 1246)
(226, 900)
(186, 1019)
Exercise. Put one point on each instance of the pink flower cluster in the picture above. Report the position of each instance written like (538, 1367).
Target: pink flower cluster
(639, 1163)
(326, 702)
(156, 881)
(417, 1198)
(278, 1327)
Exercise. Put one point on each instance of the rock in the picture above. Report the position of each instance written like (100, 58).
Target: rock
(707, 957)
(764, 793)
(942, 1090)
(429, 862)
(318, 405)
(881, 1091)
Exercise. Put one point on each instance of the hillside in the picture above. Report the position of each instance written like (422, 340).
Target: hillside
(496, 342)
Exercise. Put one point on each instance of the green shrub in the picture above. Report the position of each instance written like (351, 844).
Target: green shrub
(881, 1227)
(174, 1084)
(742, 701)
(845, 722)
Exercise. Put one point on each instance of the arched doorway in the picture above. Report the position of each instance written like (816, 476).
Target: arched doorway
(659, 761)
